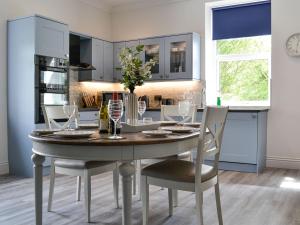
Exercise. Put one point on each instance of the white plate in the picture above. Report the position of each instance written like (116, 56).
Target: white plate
(45, 131)
(88, 125)
(168, 123)
(179, 129)
(74, 134)
(127, 128)
(197, 125)
(156, 133)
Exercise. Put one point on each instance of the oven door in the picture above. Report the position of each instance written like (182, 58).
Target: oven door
(53, 80)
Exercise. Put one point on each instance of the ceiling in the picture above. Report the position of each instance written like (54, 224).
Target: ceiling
(115, 3)
(111, 4)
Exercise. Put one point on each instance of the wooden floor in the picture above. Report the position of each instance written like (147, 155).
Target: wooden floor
(272, 198)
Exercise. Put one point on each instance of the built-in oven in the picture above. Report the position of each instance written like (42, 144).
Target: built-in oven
(51, 83)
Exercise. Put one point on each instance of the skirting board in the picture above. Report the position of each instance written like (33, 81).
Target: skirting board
(4, 169)
(284, 163)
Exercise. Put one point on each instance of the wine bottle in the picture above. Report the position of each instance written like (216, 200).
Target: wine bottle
(103, 119)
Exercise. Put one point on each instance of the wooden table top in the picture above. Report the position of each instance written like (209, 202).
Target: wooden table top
(102, 140)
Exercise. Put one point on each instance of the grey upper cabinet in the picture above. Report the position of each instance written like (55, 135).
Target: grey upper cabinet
(97, 59)
(108, 59)
(132, 44)
(177, 56)
(52, 38)
(182, 57)
(154, 49)
(117, 49)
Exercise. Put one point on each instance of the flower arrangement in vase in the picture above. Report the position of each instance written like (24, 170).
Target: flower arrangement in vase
(134, 73)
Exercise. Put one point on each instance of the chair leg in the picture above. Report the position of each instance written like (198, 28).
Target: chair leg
(175, 197)
(145, 199)
(134, 178)
(138, 178)
(78, 192)
(170, 196)
(87, 193)
(199, 203)
(51, 186)
(116, 186)
(218, 203)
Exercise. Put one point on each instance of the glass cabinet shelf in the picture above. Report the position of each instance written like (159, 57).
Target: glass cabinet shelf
(178, 57)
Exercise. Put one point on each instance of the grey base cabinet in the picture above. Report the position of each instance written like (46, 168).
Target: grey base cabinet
(244, 140)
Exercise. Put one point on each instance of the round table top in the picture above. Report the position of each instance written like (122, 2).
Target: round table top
(102, 140)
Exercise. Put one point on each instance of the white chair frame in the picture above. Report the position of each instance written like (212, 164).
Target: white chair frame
(168, 113)
(209, 145)
(51, 113)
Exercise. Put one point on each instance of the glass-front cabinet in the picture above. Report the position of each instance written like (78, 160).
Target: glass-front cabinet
(182, 57)
(154, 49)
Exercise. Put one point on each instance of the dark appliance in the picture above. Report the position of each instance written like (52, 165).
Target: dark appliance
(51, 84)
(80, 49)
(107, 95)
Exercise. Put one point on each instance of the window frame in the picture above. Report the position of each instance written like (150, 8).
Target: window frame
(242, 57)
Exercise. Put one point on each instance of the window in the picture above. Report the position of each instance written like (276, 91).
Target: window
(243, 70)
(238, 53)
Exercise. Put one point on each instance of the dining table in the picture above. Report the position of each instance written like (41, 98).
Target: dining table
(133, 146)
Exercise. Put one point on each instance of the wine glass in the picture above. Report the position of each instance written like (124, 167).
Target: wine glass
(69, 111)
(115, 112)
(141, 108)
(184, 107)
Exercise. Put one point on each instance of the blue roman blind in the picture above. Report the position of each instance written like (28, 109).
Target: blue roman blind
(246, 20)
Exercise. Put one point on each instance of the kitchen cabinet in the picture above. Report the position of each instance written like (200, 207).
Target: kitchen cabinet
(177, 56)
(99, 53)
(117, 49)
(88, 116)
(154, 49)
(108, 61)
(238, 146)
(182, 57)
(52, 38)
(132, 44)
(244, 140)
(97, 59)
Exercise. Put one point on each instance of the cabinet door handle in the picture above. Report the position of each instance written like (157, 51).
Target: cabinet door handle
(253, 116)
(161, 76)
(101, 77)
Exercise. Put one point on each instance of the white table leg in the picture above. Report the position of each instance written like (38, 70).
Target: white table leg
(127, 170)
(38, 187)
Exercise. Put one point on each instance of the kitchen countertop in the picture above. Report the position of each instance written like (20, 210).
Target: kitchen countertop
(231, 109)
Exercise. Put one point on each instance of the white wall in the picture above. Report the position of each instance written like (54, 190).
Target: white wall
(284, 117)
(171, 17)
(80, 17)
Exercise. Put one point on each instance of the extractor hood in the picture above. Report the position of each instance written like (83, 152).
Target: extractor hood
(80, 53)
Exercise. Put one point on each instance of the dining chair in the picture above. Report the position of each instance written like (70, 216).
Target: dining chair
(171, 113)
(189, 176)
(79, 168)
(168, 113)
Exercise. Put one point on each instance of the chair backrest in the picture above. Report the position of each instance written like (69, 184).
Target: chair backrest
(210, 138)
(171, 113)
(56, 112)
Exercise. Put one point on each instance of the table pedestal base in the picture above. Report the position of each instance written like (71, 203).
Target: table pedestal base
(127, 170)
(38, 187)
